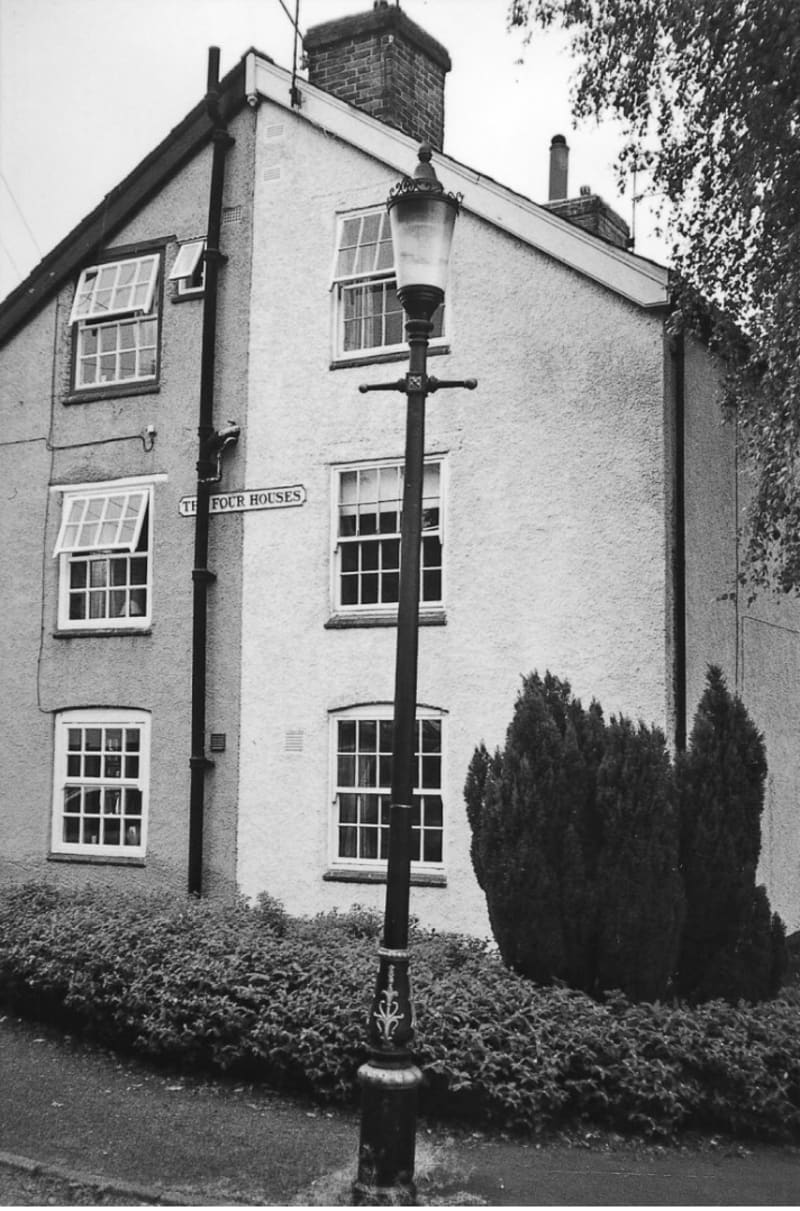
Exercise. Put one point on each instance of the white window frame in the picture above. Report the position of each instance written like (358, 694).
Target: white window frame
(84, 777)
(116, 323)
(382, 712)
(339, 542)
(111, 540)
(376, 271)
(189, 269)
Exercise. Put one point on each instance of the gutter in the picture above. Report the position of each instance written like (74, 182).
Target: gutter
(210, 447)
(678, 352)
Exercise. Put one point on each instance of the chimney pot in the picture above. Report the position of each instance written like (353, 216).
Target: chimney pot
(559, 168)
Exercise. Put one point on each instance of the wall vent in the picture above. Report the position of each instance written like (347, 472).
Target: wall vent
(294, 741)
(232, 214)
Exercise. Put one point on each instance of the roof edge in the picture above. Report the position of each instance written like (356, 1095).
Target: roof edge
(119, 205)
(638, 279)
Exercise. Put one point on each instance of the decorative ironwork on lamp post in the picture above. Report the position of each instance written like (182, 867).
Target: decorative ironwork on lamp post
(422, 217)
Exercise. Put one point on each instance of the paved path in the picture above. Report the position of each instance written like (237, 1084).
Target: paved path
(74, 1120)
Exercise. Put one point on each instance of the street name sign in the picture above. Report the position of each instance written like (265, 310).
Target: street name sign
(247, 499)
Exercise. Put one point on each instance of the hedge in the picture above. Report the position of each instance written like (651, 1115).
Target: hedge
(251, 992)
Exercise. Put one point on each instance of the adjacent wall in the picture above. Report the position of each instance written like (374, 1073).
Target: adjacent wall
(49, 441)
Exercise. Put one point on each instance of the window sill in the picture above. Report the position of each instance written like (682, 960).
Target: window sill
(343, 622)
(100, 860)
(111, 392)
(352, 874)
(101, 632)
(188, 298)
(374, 359)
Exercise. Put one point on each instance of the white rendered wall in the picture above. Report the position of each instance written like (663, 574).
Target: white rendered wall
(555, 534)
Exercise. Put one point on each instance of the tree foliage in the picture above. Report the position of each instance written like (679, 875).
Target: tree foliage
(732, 946)
(708, 94)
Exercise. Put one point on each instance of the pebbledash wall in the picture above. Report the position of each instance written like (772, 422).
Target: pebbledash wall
(556, 546)
(60, 442)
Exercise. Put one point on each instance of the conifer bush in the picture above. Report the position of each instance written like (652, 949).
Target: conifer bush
(575, 845)
(732, 945)
(606, 868)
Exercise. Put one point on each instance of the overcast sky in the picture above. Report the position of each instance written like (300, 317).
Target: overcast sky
(89, 87)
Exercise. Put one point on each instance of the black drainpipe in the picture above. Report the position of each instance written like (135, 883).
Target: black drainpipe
(208, 449)
(679, 557)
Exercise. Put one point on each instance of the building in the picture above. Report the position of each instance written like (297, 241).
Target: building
(580, 515)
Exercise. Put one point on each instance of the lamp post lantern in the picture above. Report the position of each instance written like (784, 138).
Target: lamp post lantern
(422, 217)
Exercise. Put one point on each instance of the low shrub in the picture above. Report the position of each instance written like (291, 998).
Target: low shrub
(255, 993)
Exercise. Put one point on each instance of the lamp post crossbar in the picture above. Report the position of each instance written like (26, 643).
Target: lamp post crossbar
(428, 386)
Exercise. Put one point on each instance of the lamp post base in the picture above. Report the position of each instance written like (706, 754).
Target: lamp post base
(388, 1135)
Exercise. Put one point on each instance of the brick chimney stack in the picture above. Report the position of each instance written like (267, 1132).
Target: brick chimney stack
(588, 210)
(385, 64)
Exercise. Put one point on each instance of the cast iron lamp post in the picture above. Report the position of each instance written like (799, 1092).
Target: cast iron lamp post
(422, 218)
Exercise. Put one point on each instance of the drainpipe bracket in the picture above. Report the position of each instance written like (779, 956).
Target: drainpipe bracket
(201, 763)
(204, 574)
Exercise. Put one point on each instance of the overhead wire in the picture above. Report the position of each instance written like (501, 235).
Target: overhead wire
(18, 209)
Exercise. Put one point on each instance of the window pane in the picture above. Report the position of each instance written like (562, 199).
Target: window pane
(347, 736)
(432, 846)
(112, 830)
(431, 586)
(98, 573)
(137, 607)
(369, 843)
(133, 834)
(367, 735)
(431, 771)
(348, 842)
(390, 588)
(394, 328)
(132, 803)
(349, 590)
(350, 556)
(434, 815)
(390, 554)
(369, 589)
(72, 800)
(72, 830)
(431, 732)
(138, 570)
(346, 770)
(348, 809)
(367, 770)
